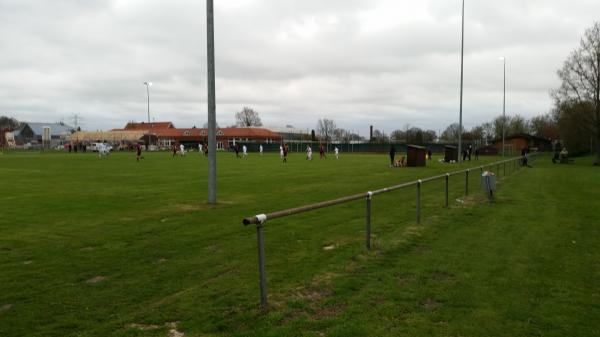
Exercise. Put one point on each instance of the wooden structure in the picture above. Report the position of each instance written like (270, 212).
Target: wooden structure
(417, 156)
(450, 153)
(522, 141)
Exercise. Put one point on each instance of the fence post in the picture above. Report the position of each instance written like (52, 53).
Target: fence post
(467, 182)
(261, 260)
(419, 182)
(368, 220)
(447, 177)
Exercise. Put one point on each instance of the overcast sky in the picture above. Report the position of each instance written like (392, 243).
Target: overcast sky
(360, 62)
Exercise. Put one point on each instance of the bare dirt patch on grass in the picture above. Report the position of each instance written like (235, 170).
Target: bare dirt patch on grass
(173, 332)
(5, 307)
(442, 276)
(202, 206)
(431, 304)
(143, 327)
(470, 200)
(171, 326)
(96, 279)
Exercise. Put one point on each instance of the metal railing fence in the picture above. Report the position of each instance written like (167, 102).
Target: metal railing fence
(511, 165)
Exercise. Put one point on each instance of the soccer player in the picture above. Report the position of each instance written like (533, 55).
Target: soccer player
(308, 152)
(102, 150)
(138, 150)
(285, 153)
(260, 149)
(200, 148)
(281, 151)
(337, 153)
(245, 151)
(236, 147)
(322, 152)
(174, 149)
(181, 149)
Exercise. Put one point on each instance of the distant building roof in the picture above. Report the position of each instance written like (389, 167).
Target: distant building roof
(111, 136)
(149, 126)
(56, 129)
(251, 132)
(290, 130)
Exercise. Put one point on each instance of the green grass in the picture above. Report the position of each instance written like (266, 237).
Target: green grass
(526, 265)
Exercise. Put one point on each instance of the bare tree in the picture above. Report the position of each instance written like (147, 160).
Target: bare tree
(247, 117)
(544, 126)
(451, 133)
(9, 123)
(518, 125)
(325, 128)
(580, 76)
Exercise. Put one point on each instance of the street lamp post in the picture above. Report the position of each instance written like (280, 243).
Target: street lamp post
(504, 107)
(462, 52)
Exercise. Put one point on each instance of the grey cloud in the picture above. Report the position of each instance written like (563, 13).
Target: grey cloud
(294, 61)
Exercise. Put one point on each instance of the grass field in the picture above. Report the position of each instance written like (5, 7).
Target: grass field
(112, 247)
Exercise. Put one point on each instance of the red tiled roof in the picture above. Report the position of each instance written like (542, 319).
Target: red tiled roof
(149, 126)
(223, 132)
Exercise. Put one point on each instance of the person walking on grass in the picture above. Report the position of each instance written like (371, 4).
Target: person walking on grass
(281, 151)
(260, 149)
(337, 153)
(181, 150)
(308, 152)
(245, 151)
(392, 155)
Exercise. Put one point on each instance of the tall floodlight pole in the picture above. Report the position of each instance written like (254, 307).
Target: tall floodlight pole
(148, 85)
(212, 118)
(462, 53)
(504, 106)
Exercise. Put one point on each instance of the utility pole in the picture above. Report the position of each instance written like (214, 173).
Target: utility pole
(212, 119)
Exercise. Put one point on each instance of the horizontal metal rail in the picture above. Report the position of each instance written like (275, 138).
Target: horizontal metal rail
(260, 219)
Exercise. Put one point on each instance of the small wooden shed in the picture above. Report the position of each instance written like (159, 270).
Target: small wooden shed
(450, 153)
(417, 156)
